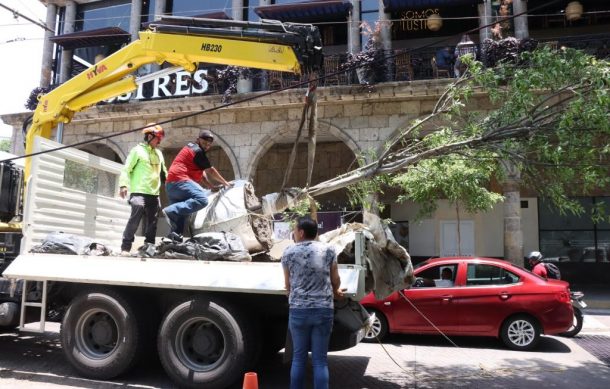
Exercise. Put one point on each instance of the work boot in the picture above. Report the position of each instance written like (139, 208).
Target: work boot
(147, 250)
(175, 237)
(169, 220)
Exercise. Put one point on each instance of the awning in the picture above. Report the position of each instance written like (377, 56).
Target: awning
(399, 5)
(305, 11)
(99, 37)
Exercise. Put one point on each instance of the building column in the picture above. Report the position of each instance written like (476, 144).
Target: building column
(353, 28)
(135, 19)
(385, 20)
(159, 9)
(66, 55)
(46, 68)
(243, 85)
(513, 236)
(520, 22)
(158, 12)
(264, 75)
(485, 19)
(237, 10)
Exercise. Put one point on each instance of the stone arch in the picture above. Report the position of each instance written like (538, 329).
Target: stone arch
(381, 148)
(97, 147)
(224, 145)
(270, 139)
(335, 154)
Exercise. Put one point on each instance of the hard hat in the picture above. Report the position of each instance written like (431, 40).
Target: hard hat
(534, 256)
(155, 130)
(206, 134)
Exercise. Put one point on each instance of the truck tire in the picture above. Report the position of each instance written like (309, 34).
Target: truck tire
(205, 343)
(100, 334)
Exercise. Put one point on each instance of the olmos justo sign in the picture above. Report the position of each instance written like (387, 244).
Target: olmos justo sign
(416, 20)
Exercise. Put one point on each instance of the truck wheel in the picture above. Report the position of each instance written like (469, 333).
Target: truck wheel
(378, 330)
(100, 335)
(520, 332)
(205, 344)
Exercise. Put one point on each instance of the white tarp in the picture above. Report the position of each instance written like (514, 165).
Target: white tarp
(389, 264)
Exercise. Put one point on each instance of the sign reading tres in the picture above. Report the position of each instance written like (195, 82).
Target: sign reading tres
(416, 20)
(182, 83)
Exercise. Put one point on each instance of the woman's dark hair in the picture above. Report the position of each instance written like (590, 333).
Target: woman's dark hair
(309, 226)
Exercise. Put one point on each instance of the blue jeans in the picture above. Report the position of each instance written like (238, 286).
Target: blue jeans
(310, 330)
(185, 197)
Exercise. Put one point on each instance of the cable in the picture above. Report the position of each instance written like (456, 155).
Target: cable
(268, 93)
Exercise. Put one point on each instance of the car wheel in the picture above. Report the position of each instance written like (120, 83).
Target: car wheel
(205, 344)
(101, 334)
(379, 329)
(520, 332)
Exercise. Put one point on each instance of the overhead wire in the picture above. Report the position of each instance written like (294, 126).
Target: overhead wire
(268, 93)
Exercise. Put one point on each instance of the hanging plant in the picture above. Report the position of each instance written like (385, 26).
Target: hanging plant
(370, 64)
(505, 50)
(229, 76)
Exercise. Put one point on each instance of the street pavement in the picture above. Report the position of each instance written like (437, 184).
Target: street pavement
(413, 361)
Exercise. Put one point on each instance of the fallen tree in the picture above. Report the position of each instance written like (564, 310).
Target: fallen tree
(549, 120)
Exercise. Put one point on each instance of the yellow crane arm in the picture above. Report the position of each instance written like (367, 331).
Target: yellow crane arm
(183, 42)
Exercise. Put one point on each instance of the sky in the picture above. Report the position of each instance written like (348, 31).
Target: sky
(20, 55)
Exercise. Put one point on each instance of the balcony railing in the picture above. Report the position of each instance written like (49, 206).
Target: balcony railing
(402, 65)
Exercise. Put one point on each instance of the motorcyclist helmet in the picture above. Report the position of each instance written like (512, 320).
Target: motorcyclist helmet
(153, 131)
(534, 256)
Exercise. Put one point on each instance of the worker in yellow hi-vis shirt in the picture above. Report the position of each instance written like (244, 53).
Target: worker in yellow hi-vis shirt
(143, 172)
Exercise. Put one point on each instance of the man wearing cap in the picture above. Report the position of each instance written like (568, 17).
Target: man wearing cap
(185, 195)
(142, 175)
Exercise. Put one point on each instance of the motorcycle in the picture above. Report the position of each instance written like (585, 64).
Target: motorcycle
(578, 305)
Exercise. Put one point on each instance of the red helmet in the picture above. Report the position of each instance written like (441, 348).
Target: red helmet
(155, 130)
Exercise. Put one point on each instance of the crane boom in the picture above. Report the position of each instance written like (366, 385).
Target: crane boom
(184, 42)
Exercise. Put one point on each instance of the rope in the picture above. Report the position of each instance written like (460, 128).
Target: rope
(293, 153)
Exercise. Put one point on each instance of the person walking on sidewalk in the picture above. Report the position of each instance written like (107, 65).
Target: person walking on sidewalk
(142, 175)
(312, 280)
(185, 195)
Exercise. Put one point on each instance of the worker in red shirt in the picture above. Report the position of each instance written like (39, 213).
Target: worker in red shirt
(185, 195)
(538, 268)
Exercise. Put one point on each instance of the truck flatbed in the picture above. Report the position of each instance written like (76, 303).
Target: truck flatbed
(224, 276)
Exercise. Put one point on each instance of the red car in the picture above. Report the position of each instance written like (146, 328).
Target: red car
(475, 297)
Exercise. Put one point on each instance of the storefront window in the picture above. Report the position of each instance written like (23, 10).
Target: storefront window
(200, 7)
(369, 14)
(100, 15)
(575, 238)
(148, 11)
(108, 14)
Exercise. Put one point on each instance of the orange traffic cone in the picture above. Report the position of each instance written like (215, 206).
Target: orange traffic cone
(250, 381)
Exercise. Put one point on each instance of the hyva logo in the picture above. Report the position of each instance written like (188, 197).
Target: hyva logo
(96, 70)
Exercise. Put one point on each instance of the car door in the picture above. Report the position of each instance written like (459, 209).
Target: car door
(428, 302)
(488, 296)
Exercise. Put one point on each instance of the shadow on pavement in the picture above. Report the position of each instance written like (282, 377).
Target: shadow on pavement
(547, 343)
(345, 372)
(39, 362)
(40, 359)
